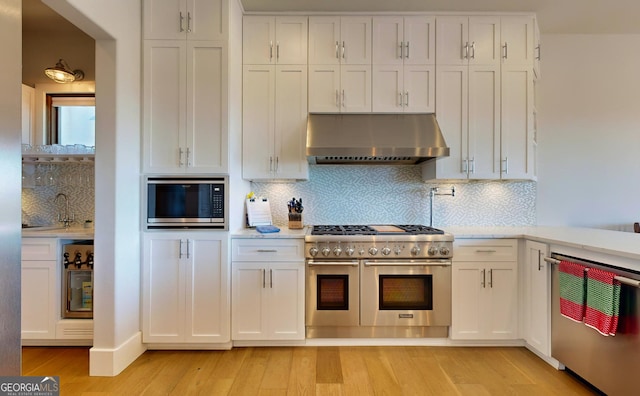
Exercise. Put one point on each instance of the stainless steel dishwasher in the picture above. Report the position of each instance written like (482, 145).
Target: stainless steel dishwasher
(609, 363)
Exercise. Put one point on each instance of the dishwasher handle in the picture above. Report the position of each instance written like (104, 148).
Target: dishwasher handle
(621, 279)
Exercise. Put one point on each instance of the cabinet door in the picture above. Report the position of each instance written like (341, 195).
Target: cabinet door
(451, 39)
(248, 311)
(355, 81)
(517, 40)
(258, 110)
(40, 299)
(28, 114)
(537, 304)
(419, 88)
(420, 38)
(355, 33)
(163, 290)
(484, 122)
(468, 282)
(517, 119)
(207, 19)
(388, 40)
(164, 105)
(484, 41)
(165, 19)
(452, 111)
(258, 40)
(324, 40)
(387, 89)
(291, 122)
(207, 128)
(291, 40)
(208, 305)
(324, 89)
(286, 301)
(501, 301)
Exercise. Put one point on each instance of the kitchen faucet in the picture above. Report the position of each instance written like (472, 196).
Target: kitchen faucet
(66, 220)
(433, 193)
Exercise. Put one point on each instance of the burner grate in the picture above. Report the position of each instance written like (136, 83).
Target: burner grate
(412, 229)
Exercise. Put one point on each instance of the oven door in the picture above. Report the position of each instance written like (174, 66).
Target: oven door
(406, 293)
(332, 293)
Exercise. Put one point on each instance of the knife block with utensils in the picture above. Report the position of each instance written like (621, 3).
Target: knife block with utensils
(295, 221)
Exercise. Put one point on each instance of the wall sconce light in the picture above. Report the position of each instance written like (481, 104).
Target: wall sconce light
(61, 73)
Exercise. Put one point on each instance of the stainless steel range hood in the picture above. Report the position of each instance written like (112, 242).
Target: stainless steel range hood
(373, 138)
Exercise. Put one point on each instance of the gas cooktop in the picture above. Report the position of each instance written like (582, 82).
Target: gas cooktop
(411, 229)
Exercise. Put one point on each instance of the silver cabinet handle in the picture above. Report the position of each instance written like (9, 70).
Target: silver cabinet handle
(188, 157)
(491, 278)
(401, 45)
(506, 165)
(343, 98)
(337, 53)
(188, 22)
(343, 50)
(406, 98)
(506, 50)
(271, 278)
(180, 152)
(400, 98)
(539, 261)
(483, 283)
(465, 166)
(485, 250)
(180, 250)
(270, 50)
(181, 22)
(472, 165)
(277, 164)
(270, 164)
(337, 99)
(188, 253)
(465, 51)
(267, 251)
(277, 50)
(473, 50)
(539, 49)
(407, 54)
(264, 281)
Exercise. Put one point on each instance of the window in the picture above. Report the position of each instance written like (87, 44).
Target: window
(71, 119)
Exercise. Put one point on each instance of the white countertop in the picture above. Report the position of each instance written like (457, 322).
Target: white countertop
(283, 233)
(58, 232)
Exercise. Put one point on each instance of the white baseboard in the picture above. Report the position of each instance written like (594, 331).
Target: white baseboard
(109, 362)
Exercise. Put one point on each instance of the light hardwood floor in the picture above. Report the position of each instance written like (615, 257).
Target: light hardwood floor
(311, 371)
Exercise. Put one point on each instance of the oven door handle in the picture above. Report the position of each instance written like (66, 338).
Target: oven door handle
(437, 263)
(351, 263)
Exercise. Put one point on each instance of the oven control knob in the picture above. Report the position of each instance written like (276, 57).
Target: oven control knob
(385, 251)
(373, 250)
(349, 251)
(415, 250)
(397, 250)
(361, 252)
(432, 251)
(444, 251)
(337, 251)
(313, 251)
(326, 251)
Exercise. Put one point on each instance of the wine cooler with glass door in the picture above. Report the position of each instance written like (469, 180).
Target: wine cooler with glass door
(77, 280)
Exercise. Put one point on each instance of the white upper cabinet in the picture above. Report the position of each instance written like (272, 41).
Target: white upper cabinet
(403, 64)
(404, 40)
(468, 40)
(339, 40)
(185, 107)
(517, 41)
(339, 89)
(538, 51)
(182, 19)
(274, 40)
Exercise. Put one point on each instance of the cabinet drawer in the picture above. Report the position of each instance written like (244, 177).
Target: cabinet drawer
(267, 250)
(39, 249)
(485, 250)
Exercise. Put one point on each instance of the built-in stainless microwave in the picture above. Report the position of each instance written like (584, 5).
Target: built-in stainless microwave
(187, 202)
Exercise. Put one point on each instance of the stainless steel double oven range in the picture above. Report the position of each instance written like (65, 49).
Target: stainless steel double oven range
(378, 281)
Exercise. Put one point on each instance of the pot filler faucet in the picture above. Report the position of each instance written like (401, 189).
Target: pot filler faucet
(68, 218)
(435, 191)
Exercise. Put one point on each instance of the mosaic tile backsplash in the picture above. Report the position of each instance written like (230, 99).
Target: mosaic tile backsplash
(380, 194)
(41, 182)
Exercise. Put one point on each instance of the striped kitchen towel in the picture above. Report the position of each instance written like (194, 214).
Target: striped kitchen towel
(572, 290)
(603, 301)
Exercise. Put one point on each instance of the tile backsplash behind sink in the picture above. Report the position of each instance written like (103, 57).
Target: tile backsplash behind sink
(383, 194)
(43, 181)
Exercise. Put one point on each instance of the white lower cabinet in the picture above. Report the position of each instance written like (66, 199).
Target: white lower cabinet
(268, 289)
(485, 289)
(185, 288)
(39, 288)
(537, 298)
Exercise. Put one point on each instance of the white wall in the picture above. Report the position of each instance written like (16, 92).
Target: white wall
(116, 27)
(589, 139)
(10, 135)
